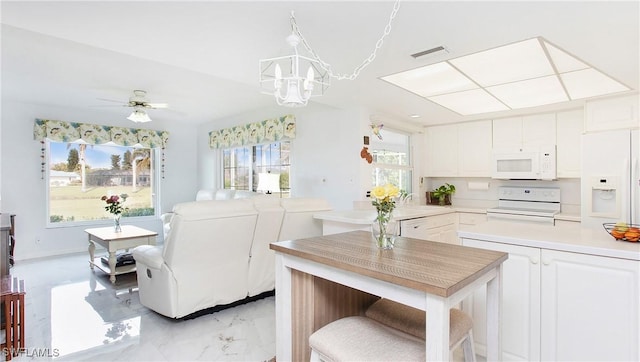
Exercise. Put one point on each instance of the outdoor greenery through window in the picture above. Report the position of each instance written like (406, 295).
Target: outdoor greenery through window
(80, 174)
(392, 160)
(242, 166)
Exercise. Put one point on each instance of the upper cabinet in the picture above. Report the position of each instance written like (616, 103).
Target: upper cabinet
(462, 150)
(442, 151)
(474, 149)
(612, 113)
(569, 126)
(525, 131)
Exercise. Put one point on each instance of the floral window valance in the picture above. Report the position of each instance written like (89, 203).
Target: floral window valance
(61, 131)
(270, 130)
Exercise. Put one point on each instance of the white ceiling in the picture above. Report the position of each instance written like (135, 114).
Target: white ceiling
(202, 57)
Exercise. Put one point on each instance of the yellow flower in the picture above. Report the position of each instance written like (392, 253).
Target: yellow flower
(391, 190)
(379, 192)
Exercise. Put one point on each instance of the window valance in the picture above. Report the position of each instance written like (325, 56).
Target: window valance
(270, 130)
(61, 131)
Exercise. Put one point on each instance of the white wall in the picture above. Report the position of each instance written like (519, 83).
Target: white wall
(325, 153)
(24, 192)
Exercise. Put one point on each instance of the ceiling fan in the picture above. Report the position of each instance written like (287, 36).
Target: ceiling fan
(139, 103)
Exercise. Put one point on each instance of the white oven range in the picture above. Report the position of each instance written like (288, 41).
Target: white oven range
(526, 204)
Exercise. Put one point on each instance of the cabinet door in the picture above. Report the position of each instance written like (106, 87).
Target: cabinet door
(569, 126)
(612, 113)
(590, 308)
(507, 132)
(520, 303)
(539, 130)
(442, 151)
(474, 149)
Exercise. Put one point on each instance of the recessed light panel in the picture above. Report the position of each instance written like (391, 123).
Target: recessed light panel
(530, 93)
(506, 64)
(469, 102)
(439, 78)
(525, 74)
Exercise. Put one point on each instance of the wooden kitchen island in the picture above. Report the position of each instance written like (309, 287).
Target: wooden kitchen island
(322, 279)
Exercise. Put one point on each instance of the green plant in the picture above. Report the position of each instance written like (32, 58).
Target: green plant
(441, 192)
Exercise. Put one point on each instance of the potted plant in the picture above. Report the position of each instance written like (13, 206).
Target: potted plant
(442, 194)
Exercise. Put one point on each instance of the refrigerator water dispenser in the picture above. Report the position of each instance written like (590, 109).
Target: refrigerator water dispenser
(605, 197)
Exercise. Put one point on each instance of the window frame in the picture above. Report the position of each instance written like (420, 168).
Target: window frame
(155, 192)
(253, 167)
(376, 144)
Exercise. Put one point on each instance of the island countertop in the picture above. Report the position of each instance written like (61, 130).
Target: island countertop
(571, 238)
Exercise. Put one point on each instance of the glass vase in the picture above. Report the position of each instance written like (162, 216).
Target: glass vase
(384, 231)
(116, 223)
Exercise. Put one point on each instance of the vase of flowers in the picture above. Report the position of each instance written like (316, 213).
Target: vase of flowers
(114, 206)
(384, 228)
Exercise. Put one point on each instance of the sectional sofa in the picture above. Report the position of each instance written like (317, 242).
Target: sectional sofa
(217, 251)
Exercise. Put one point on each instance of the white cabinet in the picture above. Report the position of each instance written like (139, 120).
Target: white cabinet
(562, 306)
(526, 131)
(474, 149)
(569, 127)
(440, 228)
(612, 113)
(462, 150)
(590, 308)
(470, 218)
(442, 151)
(520, 307)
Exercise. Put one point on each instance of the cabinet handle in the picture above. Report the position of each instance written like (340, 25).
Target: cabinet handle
(417, 226)
(534, 260)
(546, 261)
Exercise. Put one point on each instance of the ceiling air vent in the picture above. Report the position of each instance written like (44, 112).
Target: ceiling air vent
(429, 51)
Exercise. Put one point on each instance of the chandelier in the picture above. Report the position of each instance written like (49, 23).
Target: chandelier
(293, 89)
(293, 79)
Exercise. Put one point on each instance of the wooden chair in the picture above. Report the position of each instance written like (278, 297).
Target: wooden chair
(12, 301)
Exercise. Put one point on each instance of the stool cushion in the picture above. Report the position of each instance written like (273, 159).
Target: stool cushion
(413, 321)
(362, 339)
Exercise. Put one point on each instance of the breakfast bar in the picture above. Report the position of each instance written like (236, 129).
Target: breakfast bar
(325, 278)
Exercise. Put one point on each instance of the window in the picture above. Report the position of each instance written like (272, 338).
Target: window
(243, 165)
(392, 160)
(80, 174)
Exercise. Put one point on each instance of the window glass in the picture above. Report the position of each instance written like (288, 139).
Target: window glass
(80, 174)
(392, 160)
(242, 166)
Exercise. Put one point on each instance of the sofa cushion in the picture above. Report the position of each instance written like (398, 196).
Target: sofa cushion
(205, 195)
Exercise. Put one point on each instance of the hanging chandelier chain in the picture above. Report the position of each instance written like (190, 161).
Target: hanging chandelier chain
(327, 67)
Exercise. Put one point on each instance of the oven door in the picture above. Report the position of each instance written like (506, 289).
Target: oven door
(521, 218)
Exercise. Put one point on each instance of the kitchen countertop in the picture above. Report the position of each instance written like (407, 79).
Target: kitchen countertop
(363, 217)
(571, 238)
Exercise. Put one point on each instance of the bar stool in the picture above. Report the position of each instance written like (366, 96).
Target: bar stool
(390, 331)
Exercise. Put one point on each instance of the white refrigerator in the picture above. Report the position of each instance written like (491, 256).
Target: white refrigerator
(610, 184)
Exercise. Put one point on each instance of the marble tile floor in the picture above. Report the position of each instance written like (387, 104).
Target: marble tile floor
(75, 314)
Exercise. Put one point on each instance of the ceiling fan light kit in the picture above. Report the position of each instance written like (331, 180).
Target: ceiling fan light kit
(139, 116)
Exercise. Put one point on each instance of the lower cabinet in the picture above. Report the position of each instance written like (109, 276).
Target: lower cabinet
(562, 306)
(440, 228)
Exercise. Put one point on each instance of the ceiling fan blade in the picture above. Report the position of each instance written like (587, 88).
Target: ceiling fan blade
(110, 100)
(157, 105)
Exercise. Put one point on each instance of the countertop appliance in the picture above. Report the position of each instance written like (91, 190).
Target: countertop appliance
(528, 204)
(610, 187)
(527, 163)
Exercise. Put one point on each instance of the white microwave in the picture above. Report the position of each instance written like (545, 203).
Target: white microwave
(533, 163)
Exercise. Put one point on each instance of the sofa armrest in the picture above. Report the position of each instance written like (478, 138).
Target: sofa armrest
(166, 217)
(148, 255)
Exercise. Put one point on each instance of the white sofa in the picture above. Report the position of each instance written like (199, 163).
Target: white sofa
(217, 251)
(209, 194)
